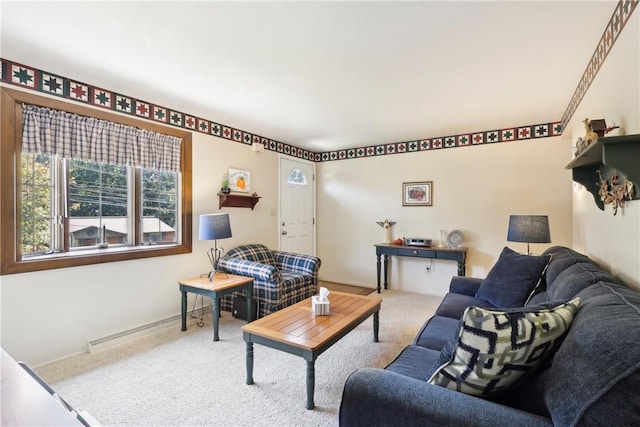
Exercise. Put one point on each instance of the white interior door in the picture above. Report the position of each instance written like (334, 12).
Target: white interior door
(297, 206)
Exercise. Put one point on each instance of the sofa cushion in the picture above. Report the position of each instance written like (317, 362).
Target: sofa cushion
(513, 279)
(253, 252)
(454, 305)
(563, 258)
(437, 332)
(576, 278)
(495, 349)
(414, 361)
(594, 377)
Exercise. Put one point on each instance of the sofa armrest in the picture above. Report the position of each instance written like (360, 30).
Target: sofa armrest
(297, 263)
(242, 267)
(465, 285)
(377, 397)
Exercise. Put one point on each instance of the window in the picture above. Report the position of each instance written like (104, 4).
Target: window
(98, 204)
(77, 209)
(159, 206)
(297, 176)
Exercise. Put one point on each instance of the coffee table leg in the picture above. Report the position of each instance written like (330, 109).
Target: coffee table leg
(249, 362)
(184, 311)
(376, 325)
(216, 317)
(311, 382)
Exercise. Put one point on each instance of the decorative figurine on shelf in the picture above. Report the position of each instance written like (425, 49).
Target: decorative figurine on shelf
(386, 224)
(225, 186)
(614, 131)
(589, 135)
(615, 193)
(581, 144)
(598, 126)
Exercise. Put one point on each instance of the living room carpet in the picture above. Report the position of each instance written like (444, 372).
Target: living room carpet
(341, 287)
(174, 378)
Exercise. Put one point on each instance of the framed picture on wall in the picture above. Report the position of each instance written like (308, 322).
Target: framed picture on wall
(239, 180)
(417, 193)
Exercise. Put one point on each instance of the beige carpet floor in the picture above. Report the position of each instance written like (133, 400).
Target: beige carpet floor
(341, 287)
(174, 378)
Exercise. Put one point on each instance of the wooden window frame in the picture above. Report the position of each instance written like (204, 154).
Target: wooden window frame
(10, 150)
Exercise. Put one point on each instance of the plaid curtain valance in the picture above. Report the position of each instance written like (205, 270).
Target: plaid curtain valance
(70, 135)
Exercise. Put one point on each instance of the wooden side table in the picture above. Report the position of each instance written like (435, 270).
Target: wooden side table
(221, 285)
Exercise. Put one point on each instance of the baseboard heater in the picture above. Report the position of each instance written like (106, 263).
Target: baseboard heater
(140, 331)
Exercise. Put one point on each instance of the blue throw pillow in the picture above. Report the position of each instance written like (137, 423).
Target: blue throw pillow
(513, 279)
(496, 349)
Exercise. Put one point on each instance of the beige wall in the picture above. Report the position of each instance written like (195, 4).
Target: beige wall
(614, 96)
(475, 189)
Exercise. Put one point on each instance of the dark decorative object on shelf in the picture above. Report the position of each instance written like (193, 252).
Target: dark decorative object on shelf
(598, 126)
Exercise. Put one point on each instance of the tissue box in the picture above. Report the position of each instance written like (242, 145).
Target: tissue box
(320, 308)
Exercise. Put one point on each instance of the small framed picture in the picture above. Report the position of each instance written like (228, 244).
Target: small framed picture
(417, 193)
(239, 180)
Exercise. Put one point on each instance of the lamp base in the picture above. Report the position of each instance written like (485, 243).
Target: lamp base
(214, 254)
(217, 274)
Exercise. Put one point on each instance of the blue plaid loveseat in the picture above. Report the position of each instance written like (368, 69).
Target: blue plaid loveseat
(279, 278)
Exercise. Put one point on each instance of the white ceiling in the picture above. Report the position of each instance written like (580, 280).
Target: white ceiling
(322, 75)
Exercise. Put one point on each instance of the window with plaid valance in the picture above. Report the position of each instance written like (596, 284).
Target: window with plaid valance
(69, 135)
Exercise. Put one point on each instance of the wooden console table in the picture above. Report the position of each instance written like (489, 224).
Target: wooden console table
(386, 249)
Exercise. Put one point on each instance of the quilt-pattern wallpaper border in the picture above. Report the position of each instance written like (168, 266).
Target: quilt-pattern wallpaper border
(46, 82)
(621, 14)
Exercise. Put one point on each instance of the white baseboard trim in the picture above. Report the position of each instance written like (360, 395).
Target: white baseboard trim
(128, 335)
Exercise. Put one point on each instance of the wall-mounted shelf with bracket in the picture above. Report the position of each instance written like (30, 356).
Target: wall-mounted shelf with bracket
(237, 200)
(611, 155)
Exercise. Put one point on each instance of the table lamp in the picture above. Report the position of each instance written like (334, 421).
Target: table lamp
(213, 227)
(529, 229)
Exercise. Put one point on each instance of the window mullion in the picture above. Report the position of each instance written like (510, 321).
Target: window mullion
(135, 204)
(56, 204)
(62, 199)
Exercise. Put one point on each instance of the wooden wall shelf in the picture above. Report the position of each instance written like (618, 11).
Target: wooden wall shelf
(611, 155)
(237, 200)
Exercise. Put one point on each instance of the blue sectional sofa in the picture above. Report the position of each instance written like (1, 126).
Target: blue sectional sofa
(590, 375)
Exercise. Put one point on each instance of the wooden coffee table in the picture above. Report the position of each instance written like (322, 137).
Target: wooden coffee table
(297, 331)
(222, 284)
